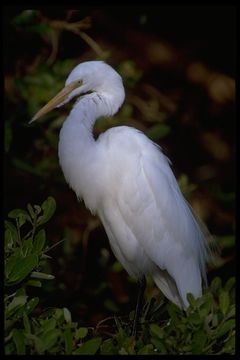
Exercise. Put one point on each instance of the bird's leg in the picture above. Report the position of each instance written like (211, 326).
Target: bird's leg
(142, 286)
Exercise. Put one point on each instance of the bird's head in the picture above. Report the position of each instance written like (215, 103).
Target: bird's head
(94, 76)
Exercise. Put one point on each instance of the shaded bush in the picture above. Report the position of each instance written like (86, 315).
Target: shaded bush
(207, 327)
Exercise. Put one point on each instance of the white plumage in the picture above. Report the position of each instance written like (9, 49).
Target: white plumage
(126, 179)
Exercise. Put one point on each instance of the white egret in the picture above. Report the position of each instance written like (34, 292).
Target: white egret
(126, 180)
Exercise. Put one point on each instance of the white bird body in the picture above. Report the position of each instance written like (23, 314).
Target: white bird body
(126, 179)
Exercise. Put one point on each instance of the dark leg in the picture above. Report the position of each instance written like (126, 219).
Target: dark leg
(142, 286)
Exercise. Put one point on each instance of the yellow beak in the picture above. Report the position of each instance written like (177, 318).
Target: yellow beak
(58, 99)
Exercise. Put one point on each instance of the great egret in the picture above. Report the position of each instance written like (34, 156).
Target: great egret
(126, 179)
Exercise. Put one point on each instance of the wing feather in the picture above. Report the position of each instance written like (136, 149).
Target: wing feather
(152, 210)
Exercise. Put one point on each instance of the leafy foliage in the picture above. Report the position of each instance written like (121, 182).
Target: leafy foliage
(207, 327)
(52, 332)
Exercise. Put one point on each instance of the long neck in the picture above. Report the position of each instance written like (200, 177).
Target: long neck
(80, 122)
(78, 154)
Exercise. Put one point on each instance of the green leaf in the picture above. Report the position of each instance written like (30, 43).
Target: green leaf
(37, 209)
(38, 344)
(68, 340)
(231, 311)
(39, 242)
(9, 348)
(48, 207)
(25, 17)
(230, 346)
(8, 240)
(226, 327)
(17, 213)
(192, 301)
(146, 350)
(47, 325)
(172, 311)
(67, 315)
(224, 301)
(195, 318)
(27, 247)
(108, 348)
(42, 29)
(21, 215)
(155, 330)
(198, 342)
(44, 256)
(16, 303)
(215, 320)
(230, 284)
(123, 351)
(49, 339)
(159, 344)
(10, 263)
(34, 283)
(216, 284)
(26, 323)
(159, 131)
(207, 305)
(226, 241)
(40, 275)
(31, 305)
(21, 220)
(31, 211)
(22, 268)
(59, 314)
(117, 267)
(81, 333)
(90, 347)
(13, 231)
(18, 338)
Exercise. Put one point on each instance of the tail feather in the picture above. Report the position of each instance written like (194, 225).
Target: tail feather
(176, 286)
(168, 286)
